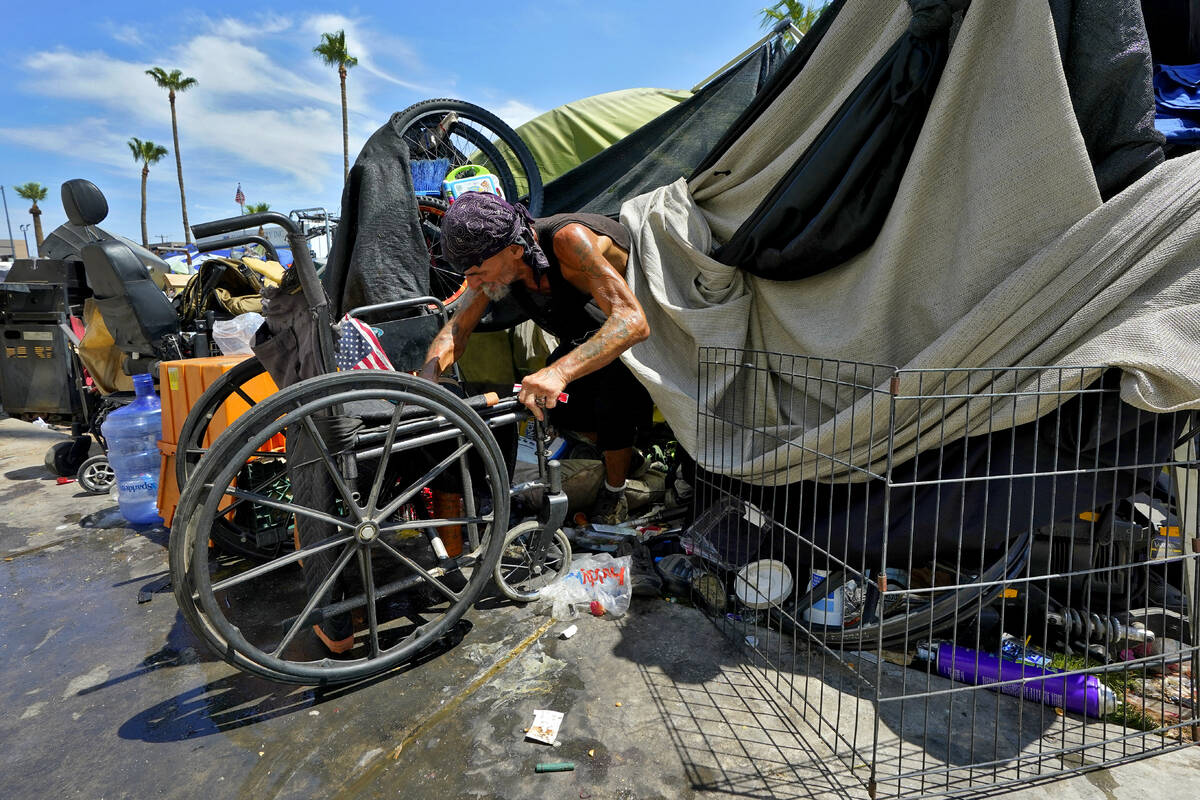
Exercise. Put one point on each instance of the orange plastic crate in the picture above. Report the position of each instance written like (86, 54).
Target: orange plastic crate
(180, 385)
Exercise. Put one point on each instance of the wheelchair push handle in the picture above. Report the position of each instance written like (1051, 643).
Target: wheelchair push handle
(302, 262)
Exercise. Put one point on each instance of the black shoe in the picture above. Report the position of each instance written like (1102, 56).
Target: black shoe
(644, 580)
(610, 508)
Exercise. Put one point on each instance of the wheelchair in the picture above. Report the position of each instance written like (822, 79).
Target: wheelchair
(354, 516)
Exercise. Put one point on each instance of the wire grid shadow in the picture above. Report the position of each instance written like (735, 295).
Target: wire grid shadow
(961, 580)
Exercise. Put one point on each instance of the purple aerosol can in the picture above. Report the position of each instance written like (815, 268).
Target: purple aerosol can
(1082, 694)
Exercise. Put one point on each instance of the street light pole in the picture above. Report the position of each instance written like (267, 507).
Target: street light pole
(25, 234)
(11, 246)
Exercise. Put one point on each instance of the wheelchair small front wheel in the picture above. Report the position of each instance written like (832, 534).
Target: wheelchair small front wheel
(519, 573)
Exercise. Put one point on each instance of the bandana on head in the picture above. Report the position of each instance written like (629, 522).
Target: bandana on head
(479, 225)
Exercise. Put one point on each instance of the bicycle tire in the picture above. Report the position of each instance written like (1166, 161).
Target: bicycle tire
(427, 113)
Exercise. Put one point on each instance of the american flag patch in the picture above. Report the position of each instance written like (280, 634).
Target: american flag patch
(358, 347)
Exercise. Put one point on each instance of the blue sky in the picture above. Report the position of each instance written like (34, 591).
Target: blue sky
(266, 112)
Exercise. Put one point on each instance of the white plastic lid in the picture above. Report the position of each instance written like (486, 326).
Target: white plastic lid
(763, 583)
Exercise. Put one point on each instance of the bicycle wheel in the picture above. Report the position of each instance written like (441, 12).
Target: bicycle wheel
(445, 281)
(519, 574)
(373, 582)
(464, 133)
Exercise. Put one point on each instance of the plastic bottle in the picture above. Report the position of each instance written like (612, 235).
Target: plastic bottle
(132, 433)
(827, 610)
(1082, 693)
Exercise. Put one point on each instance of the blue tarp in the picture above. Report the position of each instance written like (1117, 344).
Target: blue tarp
(1177, 102)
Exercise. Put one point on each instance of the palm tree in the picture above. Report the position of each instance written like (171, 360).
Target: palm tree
(148, 153)
(174, 82)
(34, 192)
(802, 15)
(258, 208)
(332, 50)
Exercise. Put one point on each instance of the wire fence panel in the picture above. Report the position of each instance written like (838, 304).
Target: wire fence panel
(994, 608)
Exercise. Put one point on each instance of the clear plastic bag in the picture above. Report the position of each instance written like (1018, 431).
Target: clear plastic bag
(593, 577)
(234, 336)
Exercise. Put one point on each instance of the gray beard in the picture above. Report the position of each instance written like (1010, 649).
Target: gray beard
(496, 291)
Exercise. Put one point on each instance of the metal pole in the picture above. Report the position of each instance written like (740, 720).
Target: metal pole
(11, 245)
(25, 234)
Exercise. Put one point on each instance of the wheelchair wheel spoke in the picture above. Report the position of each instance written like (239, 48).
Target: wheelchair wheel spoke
(283, 505)
(334, 473)
(417, 568)
(279, 563)
(315, 599)
(381, 469)
(421, 482)
(368, 576)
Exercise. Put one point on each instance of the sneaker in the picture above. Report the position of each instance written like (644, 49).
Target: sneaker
(610, 508)
(644, 580)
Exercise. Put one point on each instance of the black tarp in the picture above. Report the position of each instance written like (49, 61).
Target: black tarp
(667, 147)
(974, 494)
(832, 203)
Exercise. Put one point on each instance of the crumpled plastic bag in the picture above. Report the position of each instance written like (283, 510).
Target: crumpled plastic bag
(593, 577)
(234, 336)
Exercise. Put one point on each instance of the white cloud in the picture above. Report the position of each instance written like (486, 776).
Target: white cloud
(361, 42)
(258, 26)
(515, 113)
(88, 139)
(126, 34)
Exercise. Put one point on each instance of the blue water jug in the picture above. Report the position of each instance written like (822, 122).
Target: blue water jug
(132, 433)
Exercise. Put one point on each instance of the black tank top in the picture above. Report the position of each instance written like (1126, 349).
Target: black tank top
(566, 312)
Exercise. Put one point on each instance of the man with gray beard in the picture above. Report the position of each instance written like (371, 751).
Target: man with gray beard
(568, 273)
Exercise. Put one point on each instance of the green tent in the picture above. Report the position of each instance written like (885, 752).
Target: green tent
(566, 136)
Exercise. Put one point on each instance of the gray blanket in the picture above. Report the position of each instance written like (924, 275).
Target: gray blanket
(999, 250)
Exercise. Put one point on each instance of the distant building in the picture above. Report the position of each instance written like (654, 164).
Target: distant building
(12, 249)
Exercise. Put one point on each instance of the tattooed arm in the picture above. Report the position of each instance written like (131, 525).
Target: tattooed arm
(586, 261)
(450, 342)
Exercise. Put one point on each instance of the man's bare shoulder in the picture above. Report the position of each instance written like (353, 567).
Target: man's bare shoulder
(579, 248)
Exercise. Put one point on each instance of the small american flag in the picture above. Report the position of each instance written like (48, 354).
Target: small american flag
(358, 347)
(239, 198)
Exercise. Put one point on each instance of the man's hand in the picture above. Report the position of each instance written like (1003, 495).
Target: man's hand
(540, 390)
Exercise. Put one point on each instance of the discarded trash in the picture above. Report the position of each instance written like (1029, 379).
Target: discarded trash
(592, 578)
(61, 481)
(597, 608)
(41, 423)
(752, 641)
(545, 726)
(568, 632)
(555, 766)
(591, 753)
(1083, 694)
(618, 704)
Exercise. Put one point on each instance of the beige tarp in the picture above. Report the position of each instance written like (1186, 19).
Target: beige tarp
(997, 252)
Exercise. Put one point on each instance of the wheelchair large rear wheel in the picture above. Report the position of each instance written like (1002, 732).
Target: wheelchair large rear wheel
(372, 567)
